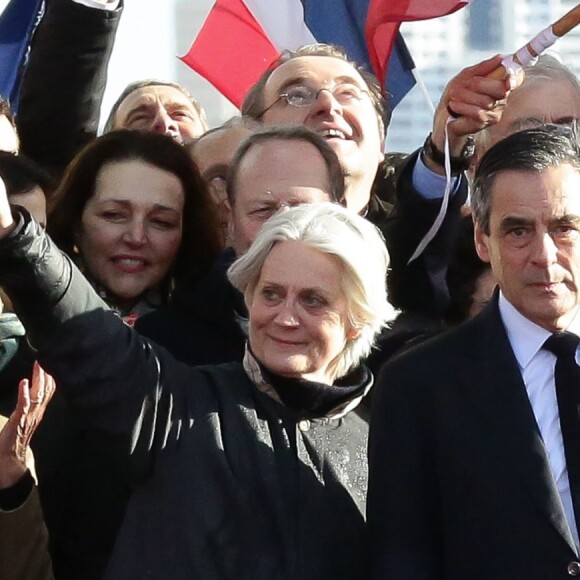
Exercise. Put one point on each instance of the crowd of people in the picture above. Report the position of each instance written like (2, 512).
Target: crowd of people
(221, 356)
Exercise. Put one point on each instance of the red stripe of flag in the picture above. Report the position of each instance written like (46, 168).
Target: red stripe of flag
(231, 50)
(405, 10)
(384, 19)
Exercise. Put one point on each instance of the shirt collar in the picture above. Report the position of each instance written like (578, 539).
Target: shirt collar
(526, 338)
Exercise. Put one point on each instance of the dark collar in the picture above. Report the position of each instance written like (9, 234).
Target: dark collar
(213, 297)
(312, 399)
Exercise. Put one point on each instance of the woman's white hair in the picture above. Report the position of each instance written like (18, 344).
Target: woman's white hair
(359, 247)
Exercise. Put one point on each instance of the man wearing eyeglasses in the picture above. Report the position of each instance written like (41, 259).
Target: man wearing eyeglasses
(319, 87)
(329, 96)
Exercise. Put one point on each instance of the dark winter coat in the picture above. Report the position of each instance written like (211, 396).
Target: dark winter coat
(229, 482)
(203, 322)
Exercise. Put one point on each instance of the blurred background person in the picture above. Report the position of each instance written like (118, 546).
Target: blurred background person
(27, 185)
(156, 106)
(470, 280)
(9, 140)
(549, 94)
(213, 153)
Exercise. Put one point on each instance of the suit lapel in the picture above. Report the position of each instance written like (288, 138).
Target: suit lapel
(505, 405)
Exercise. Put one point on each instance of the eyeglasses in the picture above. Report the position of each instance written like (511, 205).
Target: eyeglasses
(302, 96)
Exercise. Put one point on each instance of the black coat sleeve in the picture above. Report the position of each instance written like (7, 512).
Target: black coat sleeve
(420, 286)
(64, 81)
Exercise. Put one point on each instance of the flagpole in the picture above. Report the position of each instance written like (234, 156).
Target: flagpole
(528, 54)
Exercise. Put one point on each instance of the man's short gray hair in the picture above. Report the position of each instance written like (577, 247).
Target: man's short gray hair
(359, 247)
(235, 122)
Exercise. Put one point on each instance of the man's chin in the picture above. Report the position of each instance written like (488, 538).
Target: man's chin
(343, 148)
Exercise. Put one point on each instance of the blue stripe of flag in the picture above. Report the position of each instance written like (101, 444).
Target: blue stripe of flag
(343, 22)
(16, 26)
(400, 78)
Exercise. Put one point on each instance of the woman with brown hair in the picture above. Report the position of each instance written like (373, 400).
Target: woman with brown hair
(134, 213)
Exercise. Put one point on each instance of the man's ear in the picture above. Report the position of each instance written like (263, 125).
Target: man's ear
(481, 242)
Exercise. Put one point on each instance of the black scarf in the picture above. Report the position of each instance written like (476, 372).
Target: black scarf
(312, 399)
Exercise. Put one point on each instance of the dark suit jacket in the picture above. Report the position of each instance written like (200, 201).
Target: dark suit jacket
(419, 287)
(200, 325)
(460, 485)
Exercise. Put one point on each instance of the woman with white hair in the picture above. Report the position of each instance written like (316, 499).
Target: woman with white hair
(255, 470)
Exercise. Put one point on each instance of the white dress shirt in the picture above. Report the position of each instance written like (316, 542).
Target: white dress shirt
(537, 367)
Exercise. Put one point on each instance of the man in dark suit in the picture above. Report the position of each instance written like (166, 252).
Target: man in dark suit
(469, 476)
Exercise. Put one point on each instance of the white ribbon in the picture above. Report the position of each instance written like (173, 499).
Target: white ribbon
(432, 232)
(524, 57)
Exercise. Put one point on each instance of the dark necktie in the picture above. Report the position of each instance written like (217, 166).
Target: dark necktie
(567, 379)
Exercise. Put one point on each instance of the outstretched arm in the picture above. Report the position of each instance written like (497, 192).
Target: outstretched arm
(127, 388)
(64, 81)
(476, 102)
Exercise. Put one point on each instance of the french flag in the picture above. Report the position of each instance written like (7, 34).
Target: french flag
(240, 38)
(18, 19)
